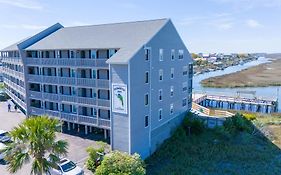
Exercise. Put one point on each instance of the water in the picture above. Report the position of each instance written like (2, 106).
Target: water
(265, 92)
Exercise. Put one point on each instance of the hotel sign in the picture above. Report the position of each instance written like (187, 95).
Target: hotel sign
(119, 98)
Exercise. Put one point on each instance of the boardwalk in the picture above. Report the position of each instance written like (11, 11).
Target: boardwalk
(237, 103)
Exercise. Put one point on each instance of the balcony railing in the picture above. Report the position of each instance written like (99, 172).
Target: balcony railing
(103, 83)
(37, 111)
(14, 86)
(35, 94)
(104, 103)
(86, 82)
(69, 117)
(34, 78)
(16, 99)
(104, 123)
(52, 113)
(87, 120)
(50, 96)
(67, 98)
(86, 100)
(67, 80)
(50, 79)
(69, 62)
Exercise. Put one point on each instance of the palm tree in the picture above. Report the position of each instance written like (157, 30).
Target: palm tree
(35, 140)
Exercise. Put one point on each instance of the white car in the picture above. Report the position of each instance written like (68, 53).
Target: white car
(4, 136)
(66, 167)
(2, 155)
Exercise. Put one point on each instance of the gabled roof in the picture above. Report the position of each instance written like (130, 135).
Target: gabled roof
(128, 37)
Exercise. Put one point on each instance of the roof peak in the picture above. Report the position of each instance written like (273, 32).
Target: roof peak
(117, 23)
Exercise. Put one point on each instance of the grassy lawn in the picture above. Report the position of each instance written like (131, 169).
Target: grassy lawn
(211, 153)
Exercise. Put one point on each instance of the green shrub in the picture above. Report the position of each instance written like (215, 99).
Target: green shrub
(237, 123)
(117, 163)
(250, 116)
(94, 155)
(195, 125)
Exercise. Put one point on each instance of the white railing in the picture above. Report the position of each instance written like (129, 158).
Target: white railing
(101, 63)
(67, 80)
(32, 61)
(34, 94)
(102, 102)
(86, 82)
(103, 83)
(34, 78)
(36, 111)
(49, 61)
(87, 120)
(86, 100)
(85, 62)
(69, 117)
(16, 99)
(68, 98)
(50, 79)
(104, 123)
(51, 113)
(50, 96)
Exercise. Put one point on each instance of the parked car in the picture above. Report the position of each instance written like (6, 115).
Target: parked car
(2, 154)
(66, 167)
(4, 136)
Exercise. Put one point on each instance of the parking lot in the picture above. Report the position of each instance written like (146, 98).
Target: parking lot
(78, 142)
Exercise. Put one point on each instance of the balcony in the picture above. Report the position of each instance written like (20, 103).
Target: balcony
(50, 79)
(32, 61)
(86, 100)
(36, 111)
(86, 82)
(14, 86)
(69, 62)
(52, 113)
(16, 99)
(104, 123)
(103, 83)
(67, 80)
(87, 120)
(86, 62)
(104, 103)
(101, 63)
(67, 98)
(35, 94)
(34, 78)
(69, 117)
(50, 96)
(13, 60)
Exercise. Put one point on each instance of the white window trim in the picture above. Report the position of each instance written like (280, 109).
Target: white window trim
(172, 90)
(173, 53)
(171, 109)
(172, 72)
(161, 54)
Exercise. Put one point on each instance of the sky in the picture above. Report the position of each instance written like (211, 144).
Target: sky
(207, 26)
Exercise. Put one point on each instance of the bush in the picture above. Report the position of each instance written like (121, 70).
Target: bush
(237, 123)
(250, 116)
(95, 157)
(117, 163)
(196, 125)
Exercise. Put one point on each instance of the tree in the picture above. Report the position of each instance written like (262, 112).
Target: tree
(117, 163)
(95, 156)
(35, 140)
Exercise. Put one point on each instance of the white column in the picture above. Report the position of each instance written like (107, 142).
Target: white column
(68, 126)
(105, 134)
(86, 130)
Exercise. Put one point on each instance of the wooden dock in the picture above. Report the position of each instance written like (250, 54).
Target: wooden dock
(254, 104)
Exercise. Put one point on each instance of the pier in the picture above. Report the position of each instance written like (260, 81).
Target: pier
(254, 104)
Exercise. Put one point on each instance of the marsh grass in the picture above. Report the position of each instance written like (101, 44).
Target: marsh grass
(212, 153)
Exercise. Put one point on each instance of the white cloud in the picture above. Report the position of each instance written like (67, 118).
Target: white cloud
(26, 4)
(253, 23)
(23, 26)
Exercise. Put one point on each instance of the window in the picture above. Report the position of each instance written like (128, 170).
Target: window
(160, 75)
(172, 73)
(180, 54)
(146, 99)
(184, 70)
(146, 121)
(190, 86)
(146, 77)
(160, 114)
(94, 73)
(184, 102)
(172, 91)
(93, 54)
(147, 54)
(184, 86)
(72, 55)
(190, 70)
(95, 112)
(172, 54)
(111, 52)
(160, 95)
(171, 108)
(161, 54)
